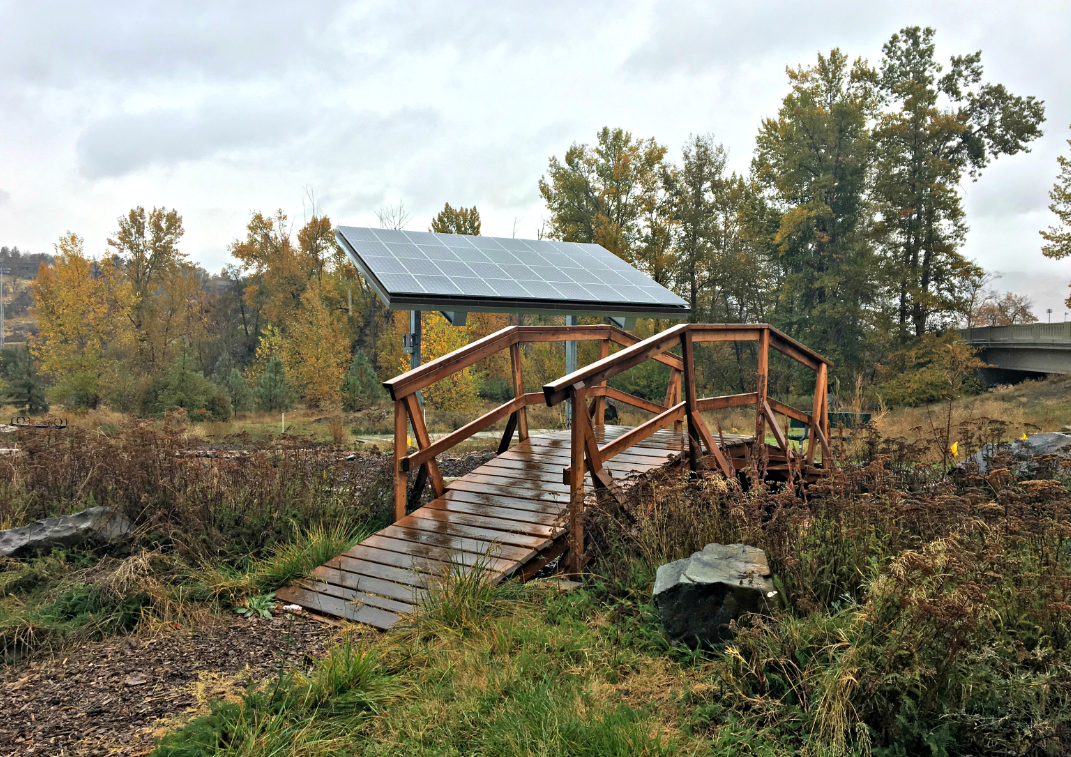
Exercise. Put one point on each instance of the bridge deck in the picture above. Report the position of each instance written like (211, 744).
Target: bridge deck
(508, 514)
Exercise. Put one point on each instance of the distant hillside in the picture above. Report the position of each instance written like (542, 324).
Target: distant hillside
(23, 265)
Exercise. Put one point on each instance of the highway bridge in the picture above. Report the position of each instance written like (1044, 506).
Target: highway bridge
(1031, 348)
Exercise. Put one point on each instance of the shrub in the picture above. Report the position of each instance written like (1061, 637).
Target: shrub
(360, 387)
(273, 391)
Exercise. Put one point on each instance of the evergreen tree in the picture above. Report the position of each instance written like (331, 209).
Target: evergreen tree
(360, 387)
(233, 383)
(26, 390)
(273, 391)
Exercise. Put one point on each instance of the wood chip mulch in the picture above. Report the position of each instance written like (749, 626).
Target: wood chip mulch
(117, 696)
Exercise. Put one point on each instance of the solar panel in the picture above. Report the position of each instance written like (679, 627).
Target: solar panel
(419, 270)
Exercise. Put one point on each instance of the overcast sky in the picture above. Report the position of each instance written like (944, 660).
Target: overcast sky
(219, 109)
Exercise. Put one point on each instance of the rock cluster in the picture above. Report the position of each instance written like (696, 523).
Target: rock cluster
(94, 527)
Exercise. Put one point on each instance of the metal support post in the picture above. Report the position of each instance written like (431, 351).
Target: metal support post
(414, 357)
(570, 362)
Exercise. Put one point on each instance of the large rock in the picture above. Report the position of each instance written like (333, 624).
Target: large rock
(1023, 451)
(699, 596)
(94, 527)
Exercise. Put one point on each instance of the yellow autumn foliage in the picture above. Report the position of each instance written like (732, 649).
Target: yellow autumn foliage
(316, 351)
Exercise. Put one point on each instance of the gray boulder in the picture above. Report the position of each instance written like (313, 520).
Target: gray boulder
(94, 527)
(1024, 450)
(697, 597)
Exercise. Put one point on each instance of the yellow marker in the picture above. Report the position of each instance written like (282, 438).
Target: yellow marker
(1023, 437)
(954, 449)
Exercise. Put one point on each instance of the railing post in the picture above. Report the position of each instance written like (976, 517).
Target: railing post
(401, 446)
(518, 389)
(576, 482)
(691, 408)
(673, 395)
(817, 410)
(600, 402)
(762, 376)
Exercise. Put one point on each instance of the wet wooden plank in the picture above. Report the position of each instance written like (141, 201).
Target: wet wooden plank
(504, 515)
(357, 581)
(494, 529)
(413, 578)
(504, 488)
(351, 595)
(328, 605)
(452, 543)
(484, 497)
(429, 554)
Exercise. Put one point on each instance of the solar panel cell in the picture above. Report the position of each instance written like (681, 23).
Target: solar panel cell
(538, 275)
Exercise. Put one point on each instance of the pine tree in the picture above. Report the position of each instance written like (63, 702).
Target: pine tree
(273, 391)
(26, 390)
(360, 388)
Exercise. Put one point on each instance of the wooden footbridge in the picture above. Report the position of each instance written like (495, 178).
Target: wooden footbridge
(516, 514)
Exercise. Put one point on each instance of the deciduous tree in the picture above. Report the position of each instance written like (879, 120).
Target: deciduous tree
(457, 221)
(1058, 238)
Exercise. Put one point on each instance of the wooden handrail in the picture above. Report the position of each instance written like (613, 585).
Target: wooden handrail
(636, 435)
(625, 397)
(729, 400)
(602, 370)
(429, 453)
(788, 411)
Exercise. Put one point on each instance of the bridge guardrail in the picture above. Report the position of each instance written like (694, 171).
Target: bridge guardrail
(1031, 333)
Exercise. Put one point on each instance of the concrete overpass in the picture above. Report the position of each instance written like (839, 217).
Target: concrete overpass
(1033, 348)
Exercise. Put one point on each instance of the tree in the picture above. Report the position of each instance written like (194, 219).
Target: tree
(1006, 309)
(814, 161)
(146, 245)
(233, 383)
(81, 310)
(1058, 238)
(316, 352)
(360, 387)
(393, 216)
(273, 391)
(25, 389)
(457, 221)
(936, 128)
(612, 195)
(183, 386)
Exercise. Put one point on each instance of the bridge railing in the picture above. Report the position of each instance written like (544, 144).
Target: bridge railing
(407, 412)
(1029, 333)
(586, 456)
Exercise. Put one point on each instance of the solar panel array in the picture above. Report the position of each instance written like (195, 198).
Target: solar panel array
(433, 265)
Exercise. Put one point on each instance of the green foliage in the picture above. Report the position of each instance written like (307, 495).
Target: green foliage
(273, 391)
(1058, 238)
(463, 598)
(182, 387)
(234, 383)
(935, 369)
(457, 221)
(25, 387)
(259, 604)
(648, 380)
(360, 387)
(318, 714)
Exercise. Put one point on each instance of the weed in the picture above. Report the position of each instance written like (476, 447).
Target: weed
(261, 604)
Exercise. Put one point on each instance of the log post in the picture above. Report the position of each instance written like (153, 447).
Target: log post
(401, 446)
(518, 390)
(817, 413)
(691, 407)
(673, 394)
(762, 377)
(576, 481)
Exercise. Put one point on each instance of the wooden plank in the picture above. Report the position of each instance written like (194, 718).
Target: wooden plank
(518, 389)
(484, 497)
(431, 554)
(737, 334)
(789, 411)
(487, 419)
(352, 595)
(512, 527)
(788, 349)
(627, 340)
(632, 399)
(504, 515)
(399, 592)
(600, 401)
(401, 435)
(732, 400)
(507, 435)
(511, 487)
(776, 431)
(411, 578)
(453, 543)
(420, 431)
(389, 557)
(457, 527)
(603, 370)
(338, 607)
(434, 370)
(713, 448)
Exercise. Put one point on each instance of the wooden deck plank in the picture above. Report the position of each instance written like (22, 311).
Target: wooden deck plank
(503, 514)
(458, 544)
(351, 595)
(433, 553)
(401, 592)
(411, 578)
(456, 526)
(329, 605)
(504, 488)
(483, 496)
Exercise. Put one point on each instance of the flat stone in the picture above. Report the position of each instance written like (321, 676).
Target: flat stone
(94, 527)
(699, 596)
(1023, 450)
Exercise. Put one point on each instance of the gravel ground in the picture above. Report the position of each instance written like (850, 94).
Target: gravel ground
(114, 697)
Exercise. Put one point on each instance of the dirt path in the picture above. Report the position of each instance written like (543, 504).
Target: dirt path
(113, 697)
